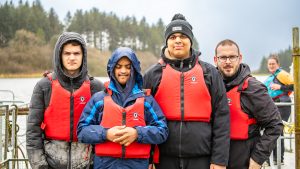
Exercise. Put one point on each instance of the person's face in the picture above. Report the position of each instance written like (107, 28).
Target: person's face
(272, 65)
(71, 59)
(179, 46)
(228, 60)
(122, 70)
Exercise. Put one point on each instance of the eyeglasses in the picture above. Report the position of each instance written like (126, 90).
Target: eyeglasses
(232, 58)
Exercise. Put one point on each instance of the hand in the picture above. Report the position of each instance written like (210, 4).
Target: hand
(126, 136)
(111, 133)
(151, 166)
(275, 86)
(253, 164)
(215, 166)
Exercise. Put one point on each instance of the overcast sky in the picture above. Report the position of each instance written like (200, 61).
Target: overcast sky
(260, 27)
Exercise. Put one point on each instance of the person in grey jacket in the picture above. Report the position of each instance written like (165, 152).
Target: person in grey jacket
(56, 105)
(251, 110)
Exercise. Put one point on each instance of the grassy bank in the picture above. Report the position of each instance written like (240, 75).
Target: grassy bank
(32, 75)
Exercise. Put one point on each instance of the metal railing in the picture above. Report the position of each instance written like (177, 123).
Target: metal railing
(12, 156)
(289, 128)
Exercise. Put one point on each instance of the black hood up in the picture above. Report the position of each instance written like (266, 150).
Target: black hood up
(63, 78)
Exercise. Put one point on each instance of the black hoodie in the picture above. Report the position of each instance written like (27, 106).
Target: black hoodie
(36, 149)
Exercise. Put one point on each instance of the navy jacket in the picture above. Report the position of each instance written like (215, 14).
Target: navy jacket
(89, 130)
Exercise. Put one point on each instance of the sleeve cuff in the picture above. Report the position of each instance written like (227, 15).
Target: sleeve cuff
(104, 133)
(140, 134)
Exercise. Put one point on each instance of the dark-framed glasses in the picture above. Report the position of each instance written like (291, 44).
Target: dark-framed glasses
(232, 58)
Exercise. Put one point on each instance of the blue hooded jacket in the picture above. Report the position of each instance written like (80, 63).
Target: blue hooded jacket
(90, 131)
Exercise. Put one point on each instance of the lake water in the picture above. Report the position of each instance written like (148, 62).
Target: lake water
(23, 87)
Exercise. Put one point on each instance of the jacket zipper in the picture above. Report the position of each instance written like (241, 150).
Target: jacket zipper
(71, 111)
(71, 124)
(123, 123)
(181, 107)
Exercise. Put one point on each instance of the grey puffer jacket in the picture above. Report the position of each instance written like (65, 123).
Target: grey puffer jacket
(44, 153)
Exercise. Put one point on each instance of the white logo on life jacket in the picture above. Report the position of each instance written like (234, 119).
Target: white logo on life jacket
(194, 80)
(82, 100)
(229, 101)
(135, 116)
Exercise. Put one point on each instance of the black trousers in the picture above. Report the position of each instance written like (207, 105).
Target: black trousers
(169, 162)
(285, 112)
(240, 152)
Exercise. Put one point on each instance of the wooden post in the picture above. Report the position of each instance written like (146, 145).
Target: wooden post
(296, 62)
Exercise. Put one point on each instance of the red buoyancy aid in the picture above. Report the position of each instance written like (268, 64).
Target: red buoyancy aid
(131, 116)
(64, 110)
(185, 91)
(239, 120)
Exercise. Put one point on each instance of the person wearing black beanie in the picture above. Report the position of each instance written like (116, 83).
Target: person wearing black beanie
(193, 98)
(179, 25)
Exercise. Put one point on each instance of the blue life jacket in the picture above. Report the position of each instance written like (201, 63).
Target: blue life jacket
(269, 81)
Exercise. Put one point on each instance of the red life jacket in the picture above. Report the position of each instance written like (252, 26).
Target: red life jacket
(184, 95)
(131, 116)
(239, 120)
(64, 110)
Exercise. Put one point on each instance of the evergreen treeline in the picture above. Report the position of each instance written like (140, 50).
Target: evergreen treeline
(32, 18)
(285, 60)
(102, 28)
(104, 31)
(28, 34)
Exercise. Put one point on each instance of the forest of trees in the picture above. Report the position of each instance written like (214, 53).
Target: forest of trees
(28, 34)
(99, 28)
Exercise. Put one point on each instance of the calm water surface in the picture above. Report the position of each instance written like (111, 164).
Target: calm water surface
(23, 87)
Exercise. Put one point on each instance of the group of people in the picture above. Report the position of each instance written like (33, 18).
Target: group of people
(183, 113)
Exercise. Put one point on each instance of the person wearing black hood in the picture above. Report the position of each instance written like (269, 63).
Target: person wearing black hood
(192, 96)
(124, 120)
(251, 110)
(56, 105)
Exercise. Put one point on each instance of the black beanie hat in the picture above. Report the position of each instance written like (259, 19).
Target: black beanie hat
(179, 24)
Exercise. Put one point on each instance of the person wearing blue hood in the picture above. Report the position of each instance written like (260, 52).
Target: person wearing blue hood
(124, 120)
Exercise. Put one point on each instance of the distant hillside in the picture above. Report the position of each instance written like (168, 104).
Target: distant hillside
(28, 34)
(27, 56)
(101, 30)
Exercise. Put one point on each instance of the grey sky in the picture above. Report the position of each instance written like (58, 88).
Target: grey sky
(260, 27)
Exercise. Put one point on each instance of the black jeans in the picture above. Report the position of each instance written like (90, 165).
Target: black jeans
(169, 162)
(285, 112)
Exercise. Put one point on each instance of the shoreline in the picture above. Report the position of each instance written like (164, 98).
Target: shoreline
(40, 75)
(32, 75)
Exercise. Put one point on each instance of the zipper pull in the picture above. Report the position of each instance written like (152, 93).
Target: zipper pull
(181, 64)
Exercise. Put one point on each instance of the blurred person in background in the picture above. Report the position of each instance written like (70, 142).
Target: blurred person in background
(280, 85)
